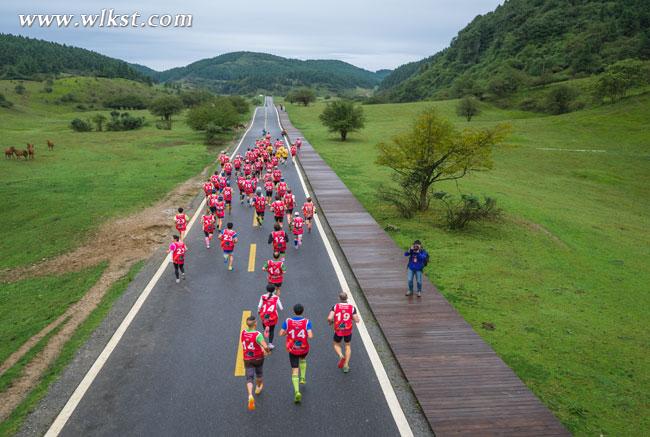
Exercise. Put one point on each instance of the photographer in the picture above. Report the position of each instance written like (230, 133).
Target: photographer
(418, 259)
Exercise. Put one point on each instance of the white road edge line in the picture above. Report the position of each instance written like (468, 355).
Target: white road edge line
(391, 399)
(63, 416)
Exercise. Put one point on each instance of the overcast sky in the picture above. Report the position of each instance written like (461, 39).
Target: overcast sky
(372, 34)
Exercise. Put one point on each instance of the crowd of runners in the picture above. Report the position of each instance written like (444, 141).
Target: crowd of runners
(257, 176)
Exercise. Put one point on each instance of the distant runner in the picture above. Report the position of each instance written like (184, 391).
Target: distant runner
(254, 350)
(260, 207)
(227, 196)
(298, 230)
(178, 249)
(208, 227)
(180, 220)
(228, 239)
(289, 202)
(275, 269)
(341, 317)
(220, 211)
(278, 209)
(279, 239)
(268, 311)
(298, 332)
(308, 211)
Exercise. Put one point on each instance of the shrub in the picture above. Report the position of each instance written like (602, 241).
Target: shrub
(560, 99)
(79, 125)
(124, 121)
(468, 107)
(128, 101)
(467, 208)
(20, 89)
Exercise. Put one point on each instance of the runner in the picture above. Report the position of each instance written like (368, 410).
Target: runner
(220, 211)
(241, 184)
(298, 143)
(298, 230)
(249, 188)
(279, 239)
(248, 168)
(208, 187)
(260, 207)
(268, 187)
(341, 317)
(289, 202)
(308, 210)
(227, 196)
(278, 209)
(215, 180)
(275, 269)
(223, 158)
(268, 311)
(208, 227)
(298, 332)
(237, 164)
(227, 169)
(277, 174)
(180, 220)
(294, 150)
(178, 249)
(282, 188)
(228, 239)
(213, 198)
(254, 350)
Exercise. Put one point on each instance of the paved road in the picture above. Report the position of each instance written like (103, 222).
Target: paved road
(173, 371)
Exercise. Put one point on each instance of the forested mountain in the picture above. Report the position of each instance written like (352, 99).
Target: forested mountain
(248, 72)
(27, 58)
(528, 42)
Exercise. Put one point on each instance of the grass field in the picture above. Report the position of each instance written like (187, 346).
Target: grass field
(53, 203)
(564, 274)
(12, 424)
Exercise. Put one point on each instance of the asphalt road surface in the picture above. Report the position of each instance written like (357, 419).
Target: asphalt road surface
(173, 372)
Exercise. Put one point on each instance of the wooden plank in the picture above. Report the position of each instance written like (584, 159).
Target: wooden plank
(463, 387)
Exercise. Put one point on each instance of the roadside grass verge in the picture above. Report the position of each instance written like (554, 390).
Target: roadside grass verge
(12, 424)
(563, 275)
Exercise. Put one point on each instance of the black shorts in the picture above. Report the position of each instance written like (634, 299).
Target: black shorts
(254, 369)
(290, 211)
(207, 234)
(346, 338)
(295, 360)
(278, 285)
(228, 202)
(213, 209)
(279, 219)
(260, 214)
(269, 194)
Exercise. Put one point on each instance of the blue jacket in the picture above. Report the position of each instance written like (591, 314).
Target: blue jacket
(416, 259)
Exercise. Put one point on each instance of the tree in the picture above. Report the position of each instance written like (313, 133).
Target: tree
(343, 117)
(560, 99)
(612, 85)
(468, 107)
(165, 107)
(219, 115)
(434, 151)
(302, 95)
(99, 120)
(20, 89)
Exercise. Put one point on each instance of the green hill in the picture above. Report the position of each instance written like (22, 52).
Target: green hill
(29, 58)
(248, 72)
(528, 42)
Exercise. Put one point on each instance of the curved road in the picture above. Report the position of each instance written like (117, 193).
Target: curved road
(173, 372)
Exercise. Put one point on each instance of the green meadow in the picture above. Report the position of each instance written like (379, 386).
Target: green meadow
(563, 275)
(53, 203)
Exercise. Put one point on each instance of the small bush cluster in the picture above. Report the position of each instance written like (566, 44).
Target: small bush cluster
(124, 121)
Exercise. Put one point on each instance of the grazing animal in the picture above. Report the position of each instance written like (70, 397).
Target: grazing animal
(22, 153)
(30, 150)
(9, 152)
(50, 145)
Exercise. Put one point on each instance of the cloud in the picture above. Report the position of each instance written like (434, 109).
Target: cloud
(372, 34)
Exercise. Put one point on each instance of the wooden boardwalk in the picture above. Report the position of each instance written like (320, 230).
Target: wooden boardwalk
(463, 387)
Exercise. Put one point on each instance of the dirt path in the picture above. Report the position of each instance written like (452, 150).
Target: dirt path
(120, 242)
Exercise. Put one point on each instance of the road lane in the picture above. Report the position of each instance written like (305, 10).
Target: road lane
(173, 371)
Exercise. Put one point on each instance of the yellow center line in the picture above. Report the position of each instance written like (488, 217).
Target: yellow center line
(251, 257)
(239, 363)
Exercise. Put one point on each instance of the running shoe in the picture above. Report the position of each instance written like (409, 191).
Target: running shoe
(178, 280)
(258, 389)
(341, 362)
(346, 369)
(251, 403)
(271, 346)
(303, 381)
(297, 397)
